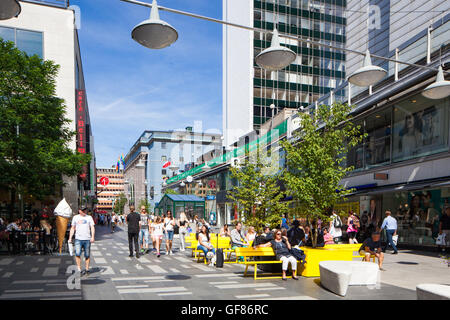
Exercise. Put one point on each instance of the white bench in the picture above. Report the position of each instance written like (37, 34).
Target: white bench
(336, 276)
(431, 291)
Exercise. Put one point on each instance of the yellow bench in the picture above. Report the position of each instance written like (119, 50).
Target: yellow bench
(250, 252)
(224, 243)
(341, 252)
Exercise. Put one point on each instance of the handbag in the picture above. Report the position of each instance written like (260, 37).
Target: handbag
(440, 240)
(395, 239)
(298, 254)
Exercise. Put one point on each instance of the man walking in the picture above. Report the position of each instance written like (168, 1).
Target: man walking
(144, 230)
(133, 219)
(390, 223)
(84, 230)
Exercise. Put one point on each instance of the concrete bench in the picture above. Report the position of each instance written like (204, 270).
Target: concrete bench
(336, 276)
(431, 291)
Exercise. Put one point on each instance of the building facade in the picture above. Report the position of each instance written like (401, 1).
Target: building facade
(107, 195)
(403, 164)
(248, 90)
(48, 29)
(158, 155)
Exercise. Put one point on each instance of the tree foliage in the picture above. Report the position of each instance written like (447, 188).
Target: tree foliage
(34, 131)
(170, 191)
(119, 204)
(148, 205)
(316, 160)
(257, 192)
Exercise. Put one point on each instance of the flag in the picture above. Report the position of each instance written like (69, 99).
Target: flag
(122, 161)
(118, 166)
(166, 164)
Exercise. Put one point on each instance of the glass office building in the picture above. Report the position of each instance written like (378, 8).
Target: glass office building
(248, 90)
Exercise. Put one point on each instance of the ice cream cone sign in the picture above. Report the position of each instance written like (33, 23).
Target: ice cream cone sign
(63, 212)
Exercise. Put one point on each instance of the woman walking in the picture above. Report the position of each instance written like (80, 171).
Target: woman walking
(169, 224)
(281, 246)
(182, 224)
(352, 228)
(157, 234)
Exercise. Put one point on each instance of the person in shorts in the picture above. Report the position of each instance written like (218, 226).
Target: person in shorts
(169, 223)
(82, 227)
(372, 247)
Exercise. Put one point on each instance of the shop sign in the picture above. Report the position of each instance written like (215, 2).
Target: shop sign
(380, 176)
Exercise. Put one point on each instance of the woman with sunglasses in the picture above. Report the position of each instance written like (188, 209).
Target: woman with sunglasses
(281, 246)
(169, 224)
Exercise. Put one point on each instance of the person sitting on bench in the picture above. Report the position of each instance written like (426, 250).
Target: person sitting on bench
(372, 247)
(281, 247)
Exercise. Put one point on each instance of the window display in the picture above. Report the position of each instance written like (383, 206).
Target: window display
(420, 127)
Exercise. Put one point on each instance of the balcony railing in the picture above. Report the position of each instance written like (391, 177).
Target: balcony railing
(54, 3)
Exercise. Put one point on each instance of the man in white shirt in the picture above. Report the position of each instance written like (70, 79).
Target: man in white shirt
(335, 227)
(390, 223)
(84, 230)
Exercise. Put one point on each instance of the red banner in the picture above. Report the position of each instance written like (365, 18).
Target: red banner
(81, 120)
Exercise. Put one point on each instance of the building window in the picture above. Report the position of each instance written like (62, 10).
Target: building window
(164, 158)
(163, 172)
(378, 141)
(420, 127)
(163, 145)
(29, 42)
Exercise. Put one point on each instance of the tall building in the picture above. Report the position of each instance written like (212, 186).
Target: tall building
(158, 155)
(403, 163)
(248, 90)
(107, 195)
(48, 29)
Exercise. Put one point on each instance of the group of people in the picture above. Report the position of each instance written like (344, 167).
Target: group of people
(144, 226)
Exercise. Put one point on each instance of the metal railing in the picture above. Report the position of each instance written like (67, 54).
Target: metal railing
(54, 3)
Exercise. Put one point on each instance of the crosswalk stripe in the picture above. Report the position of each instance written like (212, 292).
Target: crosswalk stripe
(270, 288)
(108, 254)
(99, 260)
(223, 282)
(24, 290)
(185, 266)
(245, 285)
(54, 261)
(115, 261)
(203, 268)
(138, 278)
(182, 259)
(19, 263)
(213, 275)
(174, 294)
(123, 271)
(139, 267)
(253, 296)
(156, 269)
(96, 253)
(7, 261)
(151, 290)
(108, 270)
(7, 274)
(50, 272)
(40, 259)
(174, 270)
(132, 286)
(34, 269)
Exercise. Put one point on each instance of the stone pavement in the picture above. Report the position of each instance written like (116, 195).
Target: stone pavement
(116, 276)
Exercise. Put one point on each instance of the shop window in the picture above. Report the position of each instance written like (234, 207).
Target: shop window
(378, 141)
(420, 127)
(355, 156)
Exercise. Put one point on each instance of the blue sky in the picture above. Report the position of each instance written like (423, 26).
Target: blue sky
(131, 88)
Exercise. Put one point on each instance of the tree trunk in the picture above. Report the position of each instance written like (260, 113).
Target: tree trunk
(313, 236)
(12, 203)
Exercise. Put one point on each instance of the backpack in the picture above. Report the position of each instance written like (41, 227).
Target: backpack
(337, 222)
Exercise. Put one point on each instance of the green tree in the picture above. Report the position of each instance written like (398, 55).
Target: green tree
(257, 192)
(170, 191)
(317, 162)
(119, 204)
(148, 205)
(34, 130)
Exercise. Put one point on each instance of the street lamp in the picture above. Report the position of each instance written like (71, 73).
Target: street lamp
(9, 9)
(438, 89)
(276, 57)
(154, 33)
(368, 74)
